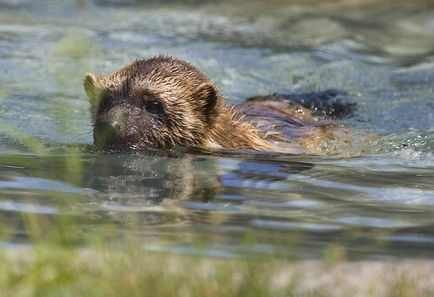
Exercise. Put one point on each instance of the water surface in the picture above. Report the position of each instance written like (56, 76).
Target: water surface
(379, 204)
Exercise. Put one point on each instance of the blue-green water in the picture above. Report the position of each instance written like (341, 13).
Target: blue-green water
(376, 205)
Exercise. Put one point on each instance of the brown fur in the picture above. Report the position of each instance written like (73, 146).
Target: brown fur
(193, 112)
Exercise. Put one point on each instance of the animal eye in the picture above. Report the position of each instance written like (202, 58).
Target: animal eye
(154, 107)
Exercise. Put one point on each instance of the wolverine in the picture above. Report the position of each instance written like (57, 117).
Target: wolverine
(164, 103)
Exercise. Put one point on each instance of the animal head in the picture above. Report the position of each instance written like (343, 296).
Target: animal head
(160, 102)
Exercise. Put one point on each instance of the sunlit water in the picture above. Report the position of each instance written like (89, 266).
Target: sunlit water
(377, 205)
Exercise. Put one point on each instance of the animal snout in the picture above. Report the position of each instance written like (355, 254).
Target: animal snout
(105, 133)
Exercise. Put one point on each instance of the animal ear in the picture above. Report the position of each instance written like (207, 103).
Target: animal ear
(207, 93)
(94, 88)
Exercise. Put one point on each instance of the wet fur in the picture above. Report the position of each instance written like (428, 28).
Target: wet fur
(194, 111)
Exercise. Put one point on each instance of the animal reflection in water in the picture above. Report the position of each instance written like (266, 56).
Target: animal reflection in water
(154, 178)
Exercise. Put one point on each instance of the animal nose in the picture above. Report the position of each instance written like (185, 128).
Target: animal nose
(105, 133)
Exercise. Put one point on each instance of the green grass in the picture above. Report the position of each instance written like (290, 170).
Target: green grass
(56, 270)
(50, 271)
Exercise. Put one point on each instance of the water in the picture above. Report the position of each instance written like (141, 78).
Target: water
(377, 205)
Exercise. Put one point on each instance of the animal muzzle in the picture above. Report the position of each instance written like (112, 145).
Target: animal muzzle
(106, 133)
